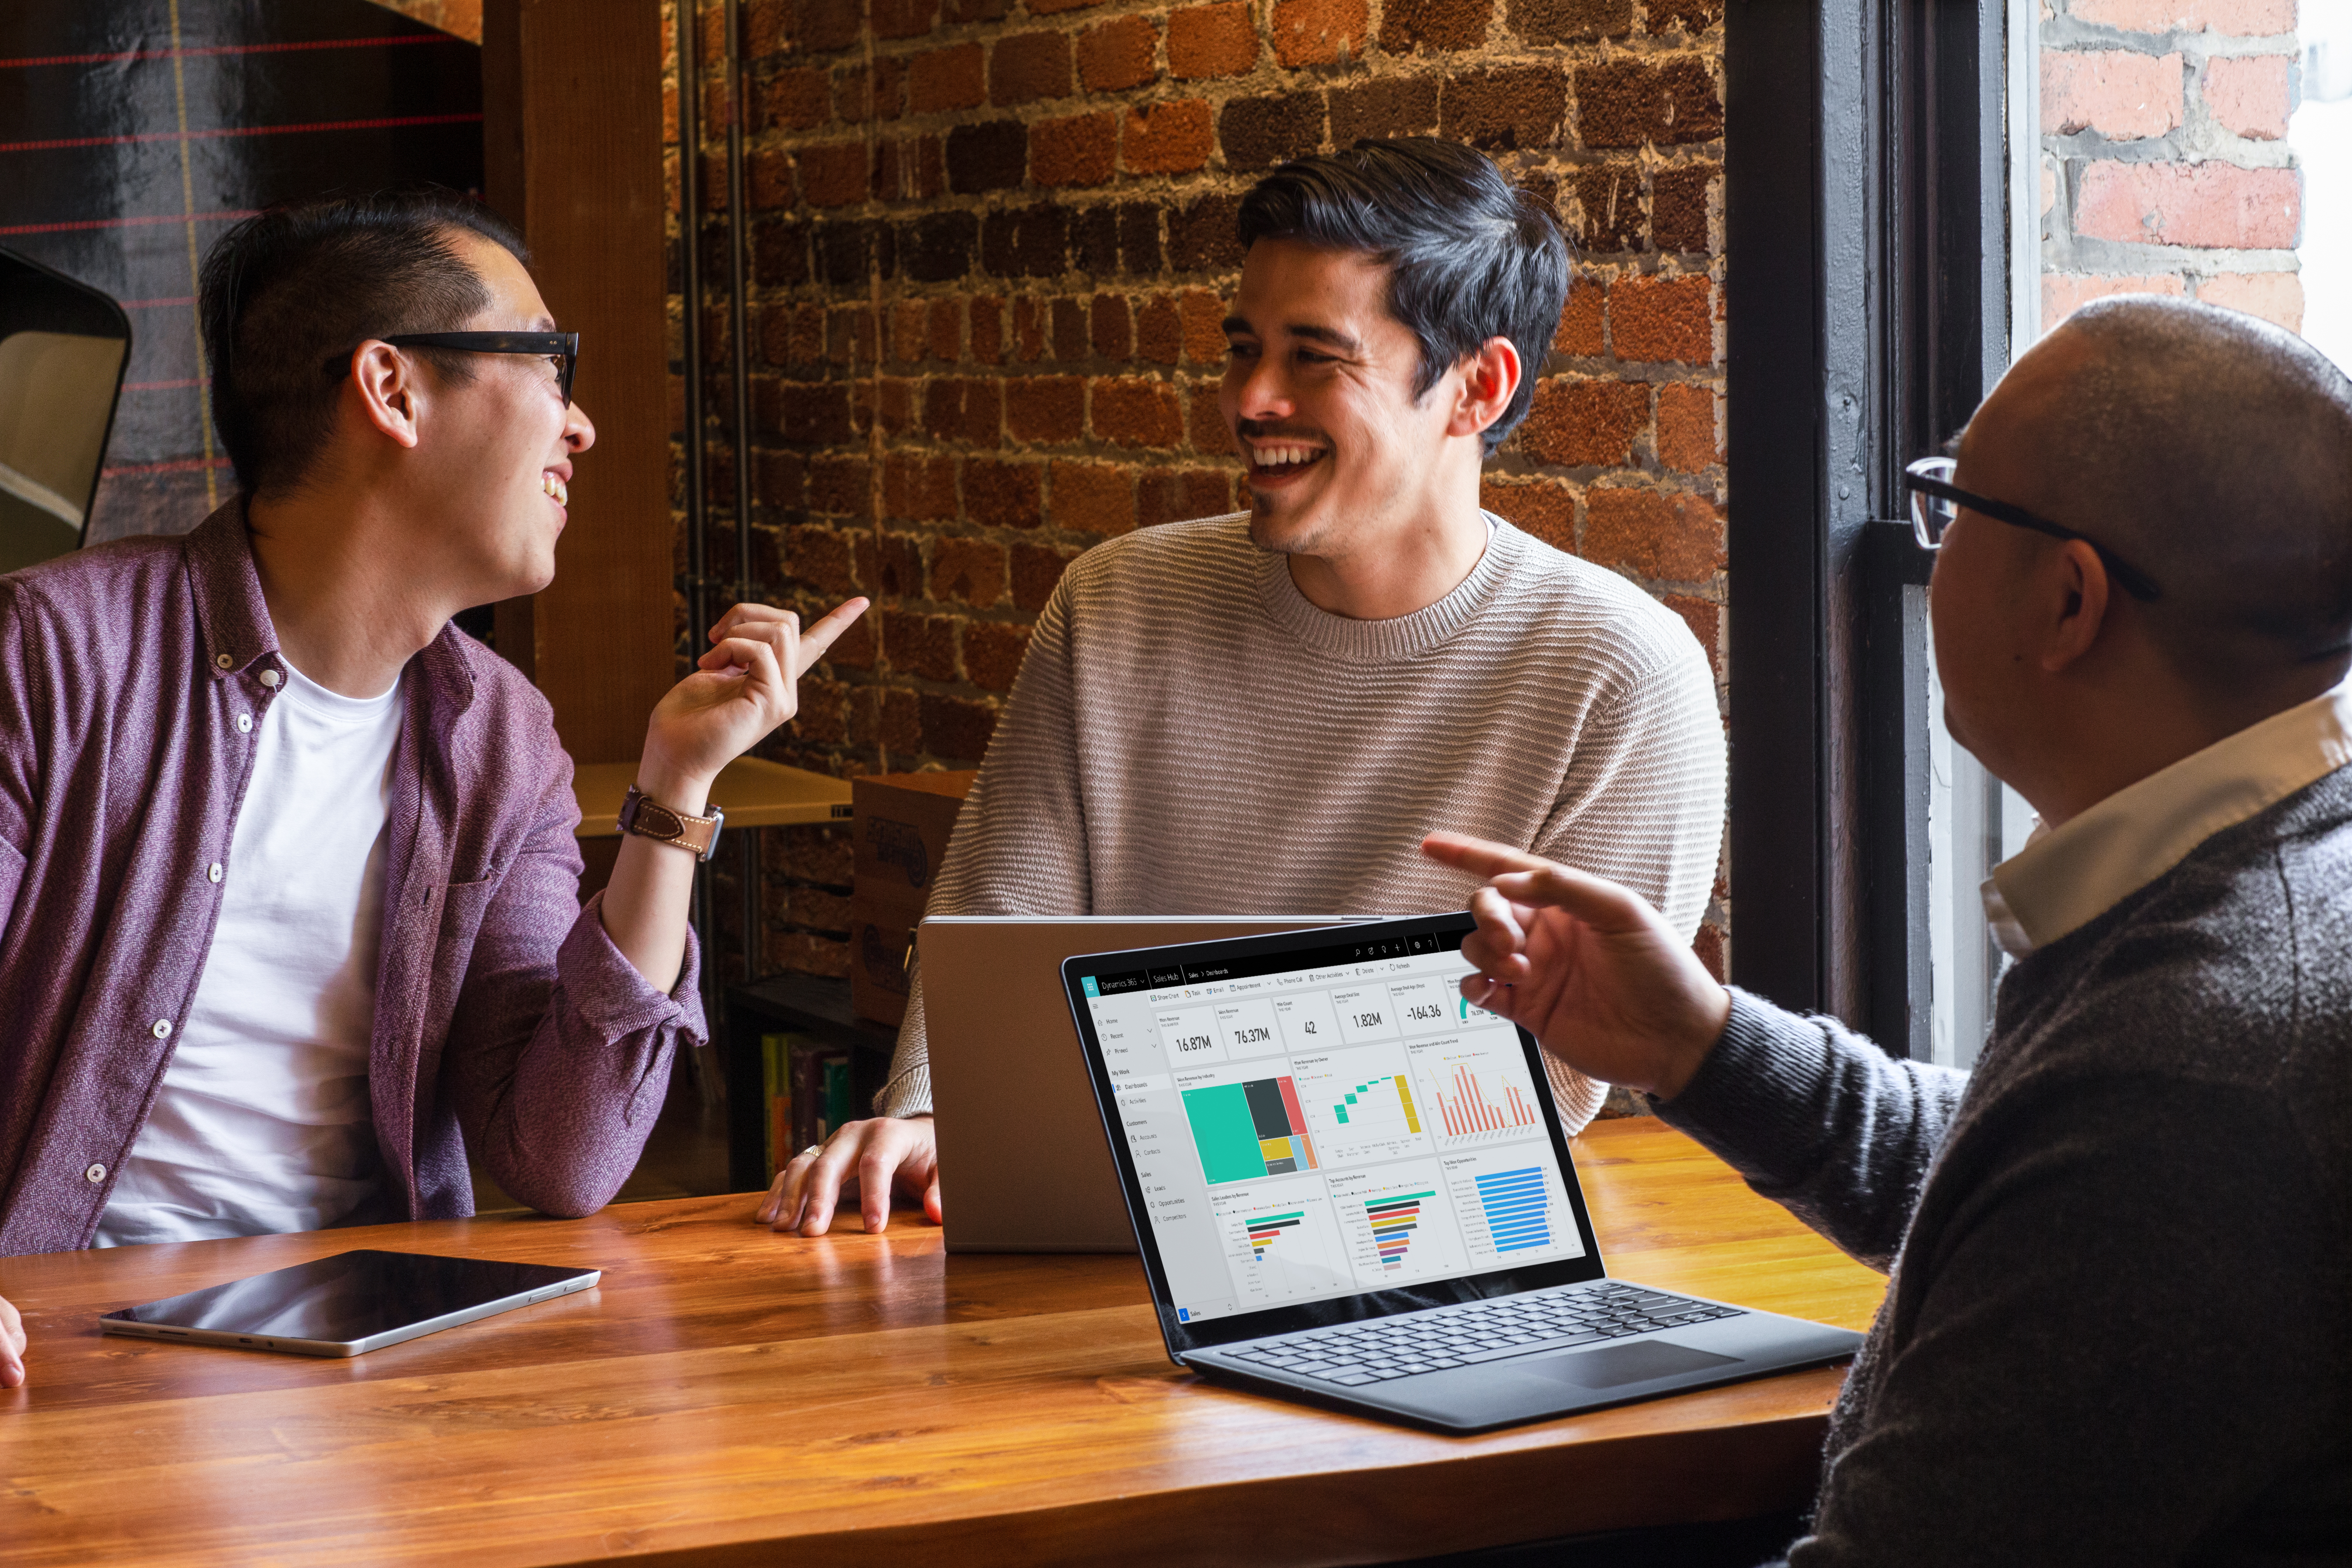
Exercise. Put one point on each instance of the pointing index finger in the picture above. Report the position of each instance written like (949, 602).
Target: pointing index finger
(816, 639)
(1480, 857)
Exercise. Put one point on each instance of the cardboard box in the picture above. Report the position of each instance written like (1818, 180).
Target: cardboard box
(903, 822)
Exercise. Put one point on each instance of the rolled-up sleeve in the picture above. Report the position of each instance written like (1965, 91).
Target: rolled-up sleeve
(560, 1052)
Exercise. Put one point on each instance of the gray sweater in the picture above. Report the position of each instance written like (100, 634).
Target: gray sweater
(2119, 1324)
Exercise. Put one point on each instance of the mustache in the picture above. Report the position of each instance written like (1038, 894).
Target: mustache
(1258, 430)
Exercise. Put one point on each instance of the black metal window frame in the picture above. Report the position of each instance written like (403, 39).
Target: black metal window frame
(1866, 212)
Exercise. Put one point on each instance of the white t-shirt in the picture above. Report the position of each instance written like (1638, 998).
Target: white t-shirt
(263, 1123)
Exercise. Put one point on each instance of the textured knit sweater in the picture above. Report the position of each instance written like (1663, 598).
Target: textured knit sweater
(1190, 735)
(2119, 1325)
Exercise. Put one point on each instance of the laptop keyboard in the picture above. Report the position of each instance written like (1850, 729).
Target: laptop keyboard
(1380, 1349)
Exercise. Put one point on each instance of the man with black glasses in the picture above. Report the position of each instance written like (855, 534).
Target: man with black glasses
(2118, 1325)
(289, 920)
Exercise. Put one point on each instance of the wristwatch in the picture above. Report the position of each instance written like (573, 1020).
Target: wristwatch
(647, 818)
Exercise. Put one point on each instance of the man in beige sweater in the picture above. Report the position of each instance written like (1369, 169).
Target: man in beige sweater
(1264, 714)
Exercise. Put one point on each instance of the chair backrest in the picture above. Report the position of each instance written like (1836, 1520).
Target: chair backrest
(63, 349)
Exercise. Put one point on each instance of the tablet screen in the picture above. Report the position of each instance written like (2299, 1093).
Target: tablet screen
(350, 1296)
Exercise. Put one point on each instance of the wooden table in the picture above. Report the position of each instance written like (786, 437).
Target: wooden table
(731, 1396)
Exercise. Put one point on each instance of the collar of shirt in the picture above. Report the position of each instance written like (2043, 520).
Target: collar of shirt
(2067, 877)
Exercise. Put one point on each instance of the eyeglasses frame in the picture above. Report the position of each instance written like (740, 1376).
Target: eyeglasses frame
(543, 344)
(2135, 581)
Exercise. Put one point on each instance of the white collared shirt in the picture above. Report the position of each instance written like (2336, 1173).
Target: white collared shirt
(2065, 878)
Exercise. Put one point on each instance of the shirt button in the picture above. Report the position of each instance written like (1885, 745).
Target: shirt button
(268, 677)
(162, 1029)
(245, 723)
(213, 870)
(223, 661)
(96, 1172)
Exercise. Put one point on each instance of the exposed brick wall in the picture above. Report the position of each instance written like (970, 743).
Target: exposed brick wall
(992, 241)
(463, 17)
(2165, 161)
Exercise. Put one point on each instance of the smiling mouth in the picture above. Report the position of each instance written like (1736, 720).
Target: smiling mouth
(552, 485)
(1280, 460)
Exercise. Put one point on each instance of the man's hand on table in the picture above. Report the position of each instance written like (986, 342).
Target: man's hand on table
(867, 1160)
(1587, 967)
(12, 1346)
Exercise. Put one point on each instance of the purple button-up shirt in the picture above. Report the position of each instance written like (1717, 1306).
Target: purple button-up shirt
(505, 1021)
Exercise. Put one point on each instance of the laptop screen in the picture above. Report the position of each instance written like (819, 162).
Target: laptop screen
(1316, 1116)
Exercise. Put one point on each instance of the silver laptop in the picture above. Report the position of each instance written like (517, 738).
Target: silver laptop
(1351, 1186)
(1023, 1167)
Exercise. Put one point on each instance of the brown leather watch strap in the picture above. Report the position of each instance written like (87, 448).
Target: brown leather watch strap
(647, 818)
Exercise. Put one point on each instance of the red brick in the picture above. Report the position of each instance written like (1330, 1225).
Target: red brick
(1663, 536)
(1003, 495)
(1626, 102)
(2244, 18)
(2207, 203)
(2247, 94)
(1212, 40)
(1544, 508)
(1409, 25)
(902, 18)
(910, 334)
(2063, 293)
(1687, 419)
(1585, 424)
(839, 484)
(1576, 21)
(957, 728)
(1035, 569)
(909, 168)
(891, 567)
(947, 80)
(1159, 330)
(1054, 8)
(993, 653)
(852, 336)
(1513, 107)
(1670, 319)
(2275, 297)
(969, 570)
(1681, 201)
(1028, 331)
(816, 25)
(946, 329)
(1167, 137)
(962, 410)
(919, 490)
(1112, 331)
(1046, 408)
(782, 479)
(804, 953)
(795, 101)
(823, 558)
(810, 414)
(987, 330)
(768, 181)
(2120, 93)
(1581, 321)
(1704, 618)
(1089, 498)
(1178, 495)
(1028, 66)
(1709, 944)
(1118, 55)
(1135, 412)
(855, 648)
(922, 645)
(822, 718)
(1317, 32)
(1070, 330)
(1203, 316)
(885, 402)
(1080, 150)
(1205, 425)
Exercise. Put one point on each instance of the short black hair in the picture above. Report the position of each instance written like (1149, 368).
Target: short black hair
(290, 289)
(1470, 256)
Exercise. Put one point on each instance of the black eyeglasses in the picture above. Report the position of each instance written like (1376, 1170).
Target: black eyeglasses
(1936, 501)
(563, 348)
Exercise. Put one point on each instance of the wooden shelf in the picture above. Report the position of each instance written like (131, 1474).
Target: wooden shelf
(753, 793)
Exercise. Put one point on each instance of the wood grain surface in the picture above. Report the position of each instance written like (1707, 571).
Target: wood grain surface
(727, 1395)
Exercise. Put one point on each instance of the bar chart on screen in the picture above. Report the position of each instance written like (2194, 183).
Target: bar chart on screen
(1509, 1207)
(1479, 1094)
(1280, 1243)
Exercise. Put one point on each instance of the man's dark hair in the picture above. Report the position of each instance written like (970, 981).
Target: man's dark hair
(2213, 451)
(290, 289)
(1470, 256)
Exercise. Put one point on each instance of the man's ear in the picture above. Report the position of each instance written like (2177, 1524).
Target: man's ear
(2082, 598)
(1490, 378)
(389, 398)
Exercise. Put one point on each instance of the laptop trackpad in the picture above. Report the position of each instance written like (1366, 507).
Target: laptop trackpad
(1615, 1364)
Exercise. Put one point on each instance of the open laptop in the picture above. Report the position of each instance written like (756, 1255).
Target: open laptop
(1350, 1186)
(1023, 1167)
